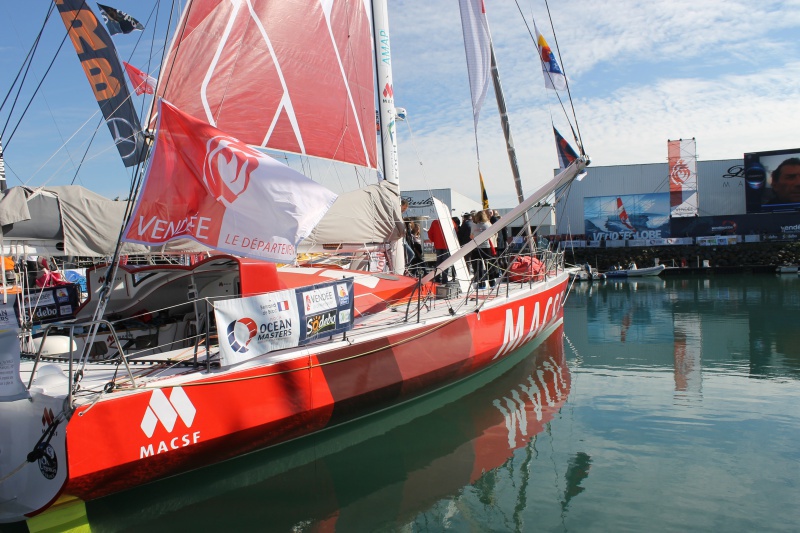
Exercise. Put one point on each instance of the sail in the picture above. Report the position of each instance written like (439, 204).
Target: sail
(99, 60)
(291, 76)
(623, 215)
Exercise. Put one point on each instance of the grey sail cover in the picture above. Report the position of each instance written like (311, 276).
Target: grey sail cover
(87, 223)
(367, 215)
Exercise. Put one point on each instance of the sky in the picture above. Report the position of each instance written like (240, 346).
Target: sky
(726, 73)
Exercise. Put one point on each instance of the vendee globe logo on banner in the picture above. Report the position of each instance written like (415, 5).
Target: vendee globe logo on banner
(256, 325)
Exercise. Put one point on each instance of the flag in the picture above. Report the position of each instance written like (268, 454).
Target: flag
(484, 196)
(478, 47)
(205, 185)
(566, 154)
(100, 63)
(142, 82)
(117, 21)
(553, 76)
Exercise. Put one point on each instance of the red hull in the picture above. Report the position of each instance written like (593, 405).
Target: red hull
(234, 412)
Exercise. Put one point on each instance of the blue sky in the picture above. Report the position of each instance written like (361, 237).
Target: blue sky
(724, 72)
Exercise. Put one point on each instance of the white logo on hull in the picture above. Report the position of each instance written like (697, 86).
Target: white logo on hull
(167, 411)
(513, 333)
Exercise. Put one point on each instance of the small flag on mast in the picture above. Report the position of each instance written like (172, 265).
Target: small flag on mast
(142, 82)
(118, 21)
(553, 76)
(566, 154)
(484, 196)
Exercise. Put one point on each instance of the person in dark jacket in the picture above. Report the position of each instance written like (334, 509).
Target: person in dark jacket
(464, 231)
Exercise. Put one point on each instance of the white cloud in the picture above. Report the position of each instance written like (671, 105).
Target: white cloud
(716, 71)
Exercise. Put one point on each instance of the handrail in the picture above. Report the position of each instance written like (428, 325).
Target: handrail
(73, 376)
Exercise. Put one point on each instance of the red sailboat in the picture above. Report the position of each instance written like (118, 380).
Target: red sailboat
(232, 355)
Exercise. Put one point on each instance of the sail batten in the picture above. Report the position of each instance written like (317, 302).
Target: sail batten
(238, 65)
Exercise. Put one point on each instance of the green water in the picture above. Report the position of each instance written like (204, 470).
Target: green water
(667, 405)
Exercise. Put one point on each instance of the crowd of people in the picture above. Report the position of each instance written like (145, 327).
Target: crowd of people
(486, 263)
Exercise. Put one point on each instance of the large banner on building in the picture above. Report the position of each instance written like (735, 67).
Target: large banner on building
(630, 216)
(772, 181)
(255, 325)
(682, 157)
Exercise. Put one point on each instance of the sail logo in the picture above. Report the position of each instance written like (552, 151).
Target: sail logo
(166, 411)
(240, 342)
(514, 334)
(228, 167)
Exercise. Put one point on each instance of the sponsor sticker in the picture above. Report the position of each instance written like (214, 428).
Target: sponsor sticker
(317, 324)
(341, 292)
(317, 300)
(48, 463)
(344, 316)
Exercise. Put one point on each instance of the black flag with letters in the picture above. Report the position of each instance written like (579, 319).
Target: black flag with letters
(117, 21)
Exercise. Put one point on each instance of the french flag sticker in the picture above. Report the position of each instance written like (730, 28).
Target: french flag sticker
(283, 306)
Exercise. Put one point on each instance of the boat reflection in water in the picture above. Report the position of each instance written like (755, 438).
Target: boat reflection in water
(381, 470)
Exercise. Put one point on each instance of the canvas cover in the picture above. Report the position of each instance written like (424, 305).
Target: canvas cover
(86, 222)
(368, 215)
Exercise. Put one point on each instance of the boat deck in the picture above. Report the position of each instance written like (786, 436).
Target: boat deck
(183, 364)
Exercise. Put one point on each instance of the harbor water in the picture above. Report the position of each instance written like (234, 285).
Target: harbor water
(662, 404)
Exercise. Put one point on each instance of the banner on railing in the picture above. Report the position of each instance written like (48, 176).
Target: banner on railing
(11, 386)
(255, 325)
(52, 304)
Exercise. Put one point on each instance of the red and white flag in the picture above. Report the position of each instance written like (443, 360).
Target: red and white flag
(142, 82)
(210, 187)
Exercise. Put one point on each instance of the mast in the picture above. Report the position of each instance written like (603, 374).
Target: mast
(386, 110)
(512, 152)
(387, 117)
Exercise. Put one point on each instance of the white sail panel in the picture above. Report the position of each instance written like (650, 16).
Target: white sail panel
(289, 75)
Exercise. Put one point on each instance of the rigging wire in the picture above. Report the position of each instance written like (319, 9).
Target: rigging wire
(35, 91)
(577, 137)
(178, 39)
(28, 56)
(578, 141)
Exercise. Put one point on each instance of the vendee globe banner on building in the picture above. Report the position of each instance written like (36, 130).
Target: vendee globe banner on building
(682, 157)
(255, 325)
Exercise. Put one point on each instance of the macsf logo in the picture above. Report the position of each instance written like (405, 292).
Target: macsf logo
(228, 167)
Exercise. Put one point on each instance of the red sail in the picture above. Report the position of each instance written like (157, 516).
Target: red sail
(294, 76)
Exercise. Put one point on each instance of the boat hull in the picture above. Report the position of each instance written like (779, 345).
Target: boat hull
(133, 437)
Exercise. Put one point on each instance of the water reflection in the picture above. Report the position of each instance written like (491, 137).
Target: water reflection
(383, 470)
(742, 323)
